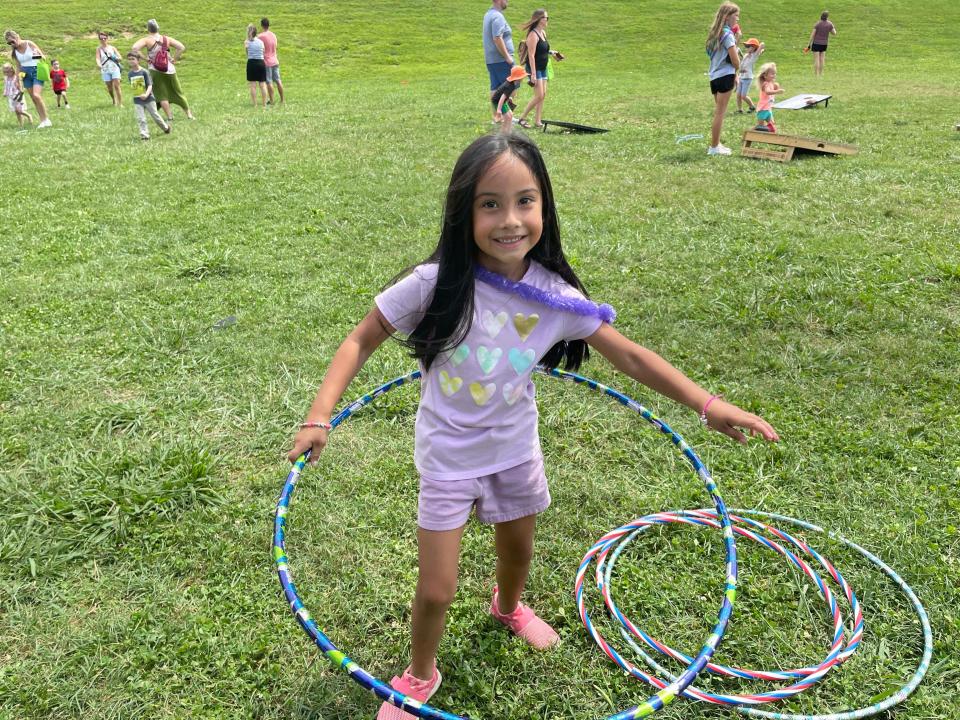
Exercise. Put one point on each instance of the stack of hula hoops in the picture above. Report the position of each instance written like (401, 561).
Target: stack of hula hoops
(603, 556)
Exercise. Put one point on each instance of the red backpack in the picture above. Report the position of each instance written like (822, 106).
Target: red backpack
(161, 61)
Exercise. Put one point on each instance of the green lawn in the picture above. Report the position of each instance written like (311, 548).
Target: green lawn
(141, 448)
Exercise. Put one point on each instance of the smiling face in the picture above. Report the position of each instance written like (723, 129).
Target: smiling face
(507, 216)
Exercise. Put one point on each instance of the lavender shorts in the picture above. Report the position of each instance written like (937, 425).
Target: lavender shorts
(507, 495)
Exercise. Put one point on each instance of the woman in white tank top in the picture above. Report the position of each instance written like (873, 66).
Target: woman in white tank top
(26, 55)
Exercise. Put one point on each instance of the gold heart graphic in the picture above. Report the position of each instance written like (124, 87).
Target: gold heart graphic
(525, 324)
(449, 385)
(482, 393)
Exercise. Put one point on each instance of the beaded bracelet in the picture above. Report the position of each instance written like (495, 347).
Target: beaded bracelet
(325, 426)
(703, 415)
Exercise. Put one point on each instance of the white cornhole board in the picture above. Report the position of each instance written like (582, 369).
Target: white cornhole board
(802, 102)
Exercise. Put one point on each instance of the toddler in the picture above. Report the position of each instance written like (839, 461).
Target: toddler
(13, 92)
(61, 83)
(754, 50)
(502, 97)
(769, 89)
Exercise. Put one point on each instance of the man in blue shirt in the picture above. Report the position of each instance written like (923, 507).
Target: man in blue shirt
(497, 44)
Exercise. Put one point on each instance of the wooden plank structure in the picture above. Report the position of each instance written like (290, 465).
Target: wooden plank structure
(782, 147)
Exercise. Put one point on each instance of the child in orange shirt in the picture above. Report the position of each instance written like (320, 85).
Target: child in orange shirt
(769, 88)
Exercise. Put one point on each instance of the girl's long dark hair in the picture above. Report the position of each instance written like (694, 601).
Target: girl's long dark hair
(448, 318)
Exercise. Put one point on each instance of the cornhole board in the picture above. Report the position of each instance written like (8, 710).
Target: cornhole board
(572, 127)
(803, 102)
(784, 146)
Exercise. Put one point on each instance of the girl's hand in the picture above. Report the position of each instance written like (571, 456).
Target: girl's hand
(312, 439)
(727, 418)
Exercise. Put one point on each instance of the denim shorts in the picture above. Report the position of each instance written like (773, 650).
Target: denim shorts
(542, 75)
(30, 77)
(109, 72)
(507, 495)
(744, 86)
(273, 73)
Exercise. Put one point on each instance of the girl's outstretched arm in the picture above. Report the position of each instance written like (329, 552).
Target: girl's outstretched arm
(656, 373)
(347, 361)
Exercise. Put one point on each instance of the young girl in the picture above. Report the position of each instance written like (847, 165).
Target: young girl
(496, 297)
(61, 83)
(724, 62)
(769, 88)
(754, 50)
(13, 92)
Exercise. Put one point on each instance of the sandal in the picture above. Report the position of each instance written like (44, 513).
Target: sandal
(523, 123)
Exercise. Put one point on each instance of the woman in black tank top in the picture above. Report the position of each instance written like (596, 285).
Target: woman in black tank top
(534, 54)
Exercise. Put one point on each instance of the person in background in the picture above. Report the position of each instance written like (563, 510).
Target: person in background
(60, 82)
(256, 68)
(724, 63)
(26, 55)
(818, 41)
(164, 51)
(769, 89)
(535, 53)
(108, 63)
(501, 98)
(271, 61)
(497, 44)
(143, 100)
(745, 75)
(13, 92)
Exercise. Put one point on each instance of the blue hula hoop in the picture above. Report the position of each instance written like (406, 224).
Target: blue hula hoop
(423, 710)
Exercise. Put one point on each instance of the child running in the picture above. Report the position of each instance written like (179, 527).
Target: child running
(754, 50)
(496, 297)
(61, 83)
(502, 98)
(769, 89)
(13, 92)
(143, 100)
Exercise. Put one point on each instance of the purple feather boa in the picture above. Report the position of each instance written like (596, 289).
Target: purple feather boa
(578, 306)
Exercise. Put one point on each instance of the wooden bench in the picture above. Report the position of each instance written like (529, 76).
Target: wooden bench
(782, 147)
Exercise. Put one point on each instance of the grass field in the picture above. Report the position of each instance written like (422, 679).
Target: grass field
(141, 447)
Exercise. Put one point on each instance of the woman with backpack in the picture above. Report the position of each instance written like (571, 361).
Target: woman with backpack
(163, 52)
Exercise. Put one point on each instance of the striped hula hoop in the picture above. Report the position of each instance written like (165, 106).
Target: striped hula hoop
(808, 676)
(338, 659)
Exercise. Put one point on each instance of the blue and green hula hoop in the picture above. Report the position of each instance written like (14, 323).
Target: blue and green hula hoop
(604, 555)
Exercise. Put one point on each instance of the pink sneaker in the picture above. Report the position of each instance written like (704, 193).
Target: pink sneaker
(524, 623)
(417, 691)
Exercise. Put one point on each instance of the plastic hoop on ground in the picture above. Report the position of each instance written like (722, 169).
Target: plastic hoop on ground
(707, 517)
(423, 710)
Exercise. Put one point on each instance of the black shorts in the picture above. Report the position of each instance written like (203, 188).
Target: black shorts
(256, 71)
(817, 47)
(723, 84)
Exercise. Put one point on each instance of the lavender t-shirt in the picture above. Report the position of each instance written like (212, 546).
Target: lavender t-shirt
(478, 413)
